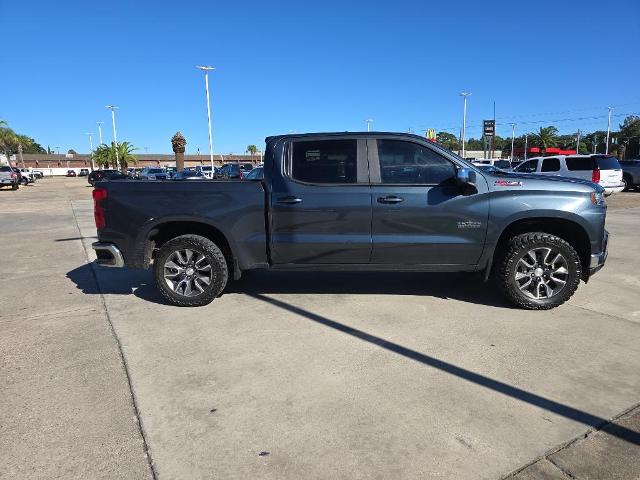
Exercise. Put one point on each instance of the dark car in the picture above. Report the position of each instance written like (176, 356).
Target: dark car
(71, 173)
(98, 175)
(234, 171)
(83, 172)
(631, 173)
(255, 174)
(361, 202)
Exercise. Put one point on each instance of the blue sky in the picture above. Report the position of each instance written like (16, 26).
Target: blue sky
(311, 66)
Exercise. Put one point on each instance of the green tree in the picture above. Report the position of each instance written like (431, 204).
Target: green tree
(8, 141)
(105, 155)
(545, 137)
(252, 150)
(448, 140)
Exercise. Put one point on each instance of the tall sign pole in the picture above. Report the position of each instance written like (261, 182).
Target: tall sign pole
(206, 69)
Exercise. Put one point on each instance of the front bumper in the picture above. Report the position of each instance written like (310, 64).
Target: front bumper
(108, 255)
(598, 259)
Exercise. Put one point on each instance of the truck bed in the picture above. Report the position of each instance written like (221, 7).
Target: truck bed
(133, 209)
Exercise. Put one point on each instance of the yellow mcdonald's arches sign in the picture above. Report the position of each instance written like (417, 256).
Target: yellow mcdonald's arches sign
(431, 135)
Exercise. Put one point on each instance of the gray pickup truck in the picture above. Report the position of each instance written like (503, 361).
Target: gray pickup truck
(357, 201)
(8, 178)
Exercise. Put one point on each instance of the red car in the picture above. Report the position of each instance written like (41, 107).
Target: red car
(71, 173)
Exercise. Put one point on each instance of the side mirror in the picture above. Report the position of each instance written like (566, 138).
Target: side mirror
(466, 176)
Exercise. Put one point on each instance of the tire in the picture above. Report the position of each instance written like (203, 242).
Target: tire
(178, 277)
(517, 266)
(628, 184)
(24, 181)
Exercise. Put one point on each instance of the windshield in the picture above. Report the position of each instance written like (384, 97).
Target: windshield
(608, 163)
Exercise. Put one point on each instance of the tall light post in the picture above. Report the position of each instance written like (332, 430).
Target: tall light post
(100, 131)
(115, 138)
(526, 146)
(606, 147)
(369, 122)
(91, 149)
(578, 142)
(464, 95)
(206, 69)
(513, 137)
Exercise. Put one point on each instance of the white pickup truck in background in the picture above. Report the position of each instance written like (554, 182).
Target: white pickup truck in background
(8, 178)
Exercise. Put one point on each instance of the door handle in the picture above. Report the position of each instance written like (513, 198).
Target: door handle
(390, 199)
(289, 200)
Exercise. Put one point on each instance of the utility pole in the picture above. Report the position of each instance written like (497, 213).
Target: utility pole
(115, 138)
(206, 69)
(606, 147)
(91, 149)
(369, 122)
(100, 131)
(464, 95)
(513, 137)
(595, 143)
(526, 146)
(578, 142)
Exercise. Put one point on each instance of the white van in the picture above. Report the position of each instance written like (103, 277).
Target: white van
(604, 170)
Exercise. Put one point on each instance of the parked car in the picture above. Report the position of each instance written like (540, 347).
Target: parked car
(98, 175)
(345, 201)
(630, 173)
(188, 175)
(604, 170)
(207, 171)
(25, 178)
(38, 173)
(30, 174)
(255, 174)
(234, 171)
(8, 178)
(71, 173)
(496, 162)
(83, 172)
(153, 173)
(171, 171)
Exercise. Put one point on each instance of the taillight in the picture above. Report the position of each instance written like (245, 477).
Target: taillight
(241, 175)
(595, 175)
(99, 194)
(13, 175)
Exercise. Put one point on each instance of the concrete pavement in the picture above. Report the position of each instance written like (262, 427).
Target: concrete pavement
(335, 375)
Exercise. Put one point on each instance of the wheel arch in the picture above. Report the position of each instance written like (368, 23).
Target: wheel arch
(164, 230)
(567, 229)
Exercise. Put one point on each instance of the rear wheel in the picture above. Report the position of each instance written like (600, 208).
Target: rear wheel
(539, 271)
(190, 271)
(24, 181)
(628, 185)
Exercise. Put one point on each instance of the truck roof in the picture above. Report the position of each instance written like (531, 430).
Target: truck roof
(343, 134)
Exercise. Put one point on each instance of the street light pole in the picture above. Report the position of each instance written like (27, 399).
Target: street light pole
(526, 146)
(578, 142)
(464, 119)
(91, 149)
(206, 69)
(115, 138)
(369, 122)
(513, 137)
(606, 148)
(100, 131)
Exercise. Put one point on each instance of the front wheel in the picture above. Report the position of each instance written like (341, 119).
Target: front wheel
(539, 271)
(190, 271)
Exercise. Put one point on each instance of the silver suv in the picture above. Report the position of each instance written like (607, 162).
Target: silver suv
(605, 170)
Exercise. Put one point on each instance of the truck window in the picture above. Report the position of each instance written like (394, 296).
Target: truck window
(412, 163)
(550, 165)
(325, 161)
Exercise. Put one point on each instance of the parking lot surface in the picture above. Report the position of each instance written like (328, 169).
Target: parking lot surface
(299, 375)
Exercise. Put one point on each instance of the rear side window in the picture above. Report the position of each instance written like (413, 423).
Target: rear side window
(412, 163)
(325, 161)
(550, 165)
(579, 163)
(608, 163)
(5, 169)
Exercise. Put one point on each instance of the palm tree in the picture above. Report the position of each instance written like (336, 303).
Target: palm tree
(546, 137)
(252, 150)
(105, 155)
(8, 140)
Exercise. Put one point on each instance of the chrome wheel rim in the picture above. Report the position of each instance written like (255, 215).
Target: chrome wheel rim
(542, 273)
(187, 272)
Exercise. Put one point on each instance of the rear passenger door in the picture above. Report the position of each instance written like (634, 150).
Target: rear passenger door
(550, 166)
(421, 215)
(321, 211)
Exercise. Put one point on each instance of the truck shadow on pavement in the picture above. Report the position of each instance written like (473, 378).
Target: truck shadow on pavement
(468, 288)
